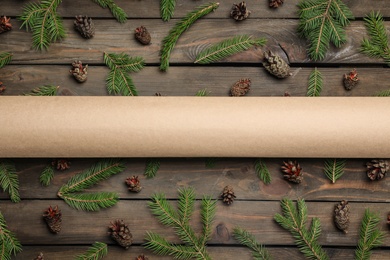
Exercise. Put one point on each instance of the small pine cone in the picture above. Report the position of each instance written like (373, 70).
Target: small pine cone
(240, 88)
(5, 24)
(341, 216)
(142, 35)
(350, 80)
(2, 88)
(275, 65)
(134, 184)
(61, 164)
(78, 71)
(53, 218)
(275, 3)
(239, 11)
(120, 232)
(292, 171)
(141, 257)
(227, 195)
(376, 169)
(286, 94)
(84, 25)
(388, 219)
(39, 257)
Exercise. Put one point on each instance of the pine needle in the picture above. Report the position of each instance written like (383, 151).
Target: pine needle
(90, 201)
(247, 239)
(334, 169)
(116, 11)
(174, 34)
(294, 220)
(152, 167)
(9, 180)
(384, 93)
(227, 48)
(322, 22)
(202, 93)
(9, 244)
(47, 90)
(47, 175)
(315, 84)
(262, 171)
(166, 8)
(370, 236)
(44, 22)
(97, 251)
(5, 58)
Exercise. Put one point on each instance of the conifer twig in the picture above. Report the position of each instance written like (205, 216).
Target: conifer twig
(384, 93)
(5, 58)
(247, 239)
(202, 93)
(90, 201)
(315, 84)
(9, 244)
(97, 251)
(46, 90)
(170, 40)
(227, 48)
(152, 167)
(210, 162)
(116, 11)
(47, 175)
(9, 180)
(166, 8)
(334, 169)
(262, 171)
(370, 236)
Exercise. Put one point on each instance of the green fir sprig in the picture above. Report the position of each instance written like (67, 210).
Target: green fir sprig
(315, 84)
(119, 80)
(47, 90)
(9, 244)
(262, 171)
(174, 34)
(203, 93)
(116, 11)
(247, 239)
(88, 178)
(193, 246)
(294, 220)
(5, 58)
(47, 175)
(210, 162)
(322, 22)
(167, 7)
(378, 44)
(370, 236)
(44, 22)
(151, 168)
(227, 48)
(9, 180)
(384, 93)
(334, 169)
(97, 251)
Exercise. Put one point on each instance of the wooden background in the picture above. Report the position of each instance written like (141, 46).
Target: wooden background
(256, 203)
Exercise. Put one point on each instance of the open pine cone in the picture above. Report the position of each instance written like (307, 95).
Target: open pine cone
(275, 65)
(227, 195)
(376, 169)
(79, 71)
(120, 232)
(53, 219)
(2, 88)
(5, 24)
(134, 184)
(39, 257)
(240, 88)
(350, 80)
(239, 11)
(292, 171)
(142, 35)
(84, 25)
(61, 164)
(275, 3)
(141, 257)
(341, 216)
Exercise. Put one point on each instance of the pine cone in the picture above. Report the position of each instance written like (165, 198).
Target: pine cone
(239, 11)
(341, 216)
(376, 169)
(39, 257)
(134, 184)
(286, 94)
(388, 219)
(350, 80)
(2, 88)
(275, 65)
(78, 71)
(240, 88)
(275, 3)
(292, 171)
(141, 257)
(142, 35)
(53, 218)
(84, 25)
(227, 195)
(120, 232)
(61, 164)
(5, 24)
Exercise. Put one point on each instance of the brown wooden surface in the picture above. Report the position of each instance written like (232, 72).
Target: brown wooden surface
(256, 203)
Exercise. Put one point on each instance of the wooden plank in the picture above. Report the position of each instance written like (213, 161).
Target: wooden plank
(186, 81)
(113, 37)
(255, 216)
(151, 8)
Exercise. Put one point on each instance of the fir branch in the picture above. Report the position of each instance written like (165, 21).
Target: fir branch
(9, 244)
(295, 221)
(5, 58)
(46, 90)
(207, 213)
(116, 11)
(166, 8)
(334, 169)
(378, 44)
(322, 22)
(90, 201)
(123, 61)
(247, 239)
(97, 251)
(384, 93)
(315, 84)
(227, 48)
(170, 40)
(210, 162)
(47, 175)
(9, 180)
(370, 236)
(185, 204)
(262, 171)
(202, 93)
(151, 168)
(44, 22)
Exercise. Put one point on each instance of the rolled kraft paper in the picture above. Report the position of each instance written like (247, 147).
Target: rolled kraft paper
(57, 127)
